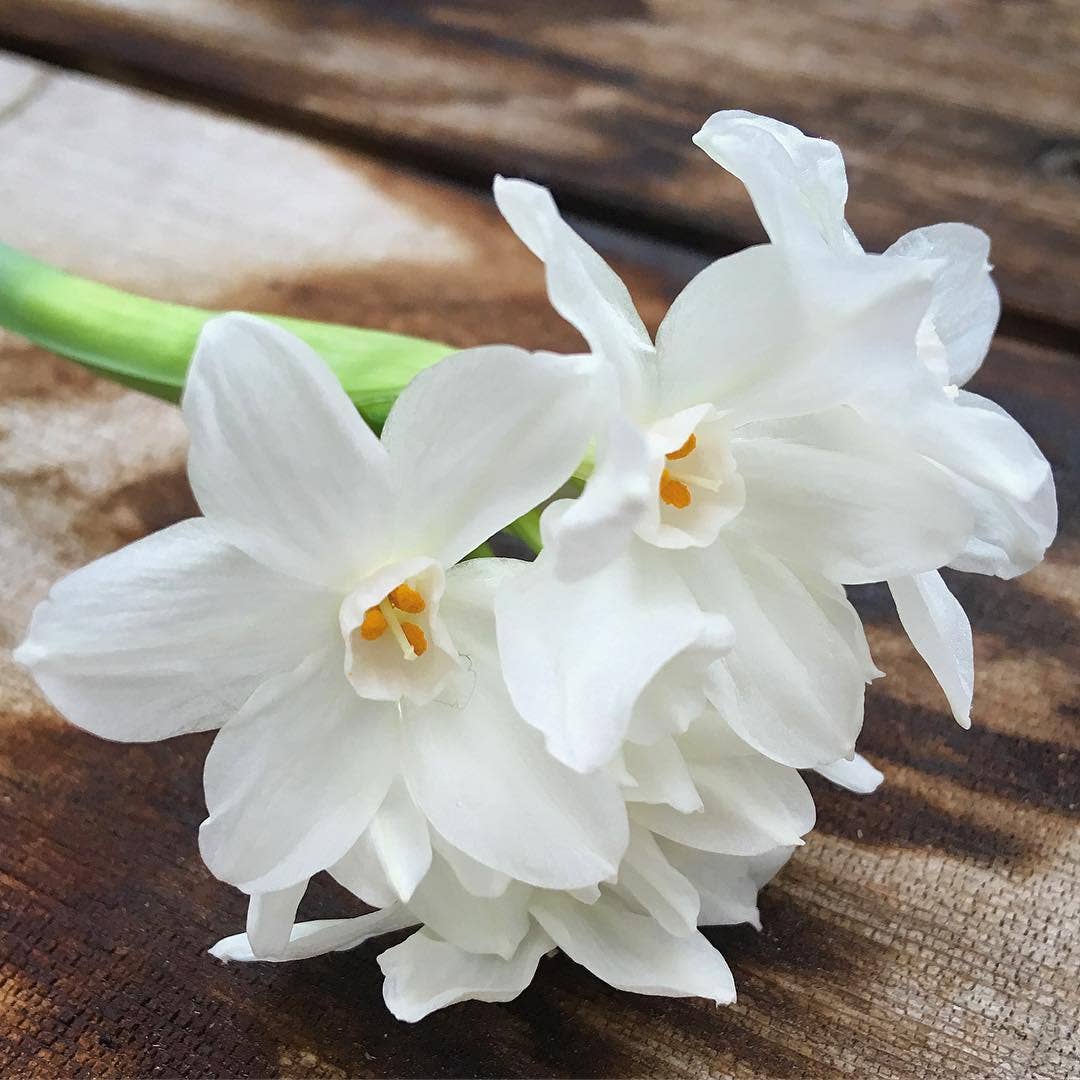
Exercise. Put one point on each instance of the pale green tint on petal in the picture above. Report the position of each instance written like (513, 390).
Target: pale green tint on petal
(170, 634)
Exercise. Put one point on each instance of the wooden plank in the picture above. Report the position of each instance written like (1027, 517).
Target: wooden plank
(945, 112)
(929, 930)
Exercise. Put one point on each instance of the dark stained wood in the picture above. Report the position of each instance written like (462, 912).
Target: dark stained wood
(956, 111)
(929, 930)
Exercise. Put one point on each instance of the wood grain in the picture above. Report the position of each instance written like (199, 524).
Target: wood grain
(957, 111)
(929, 930)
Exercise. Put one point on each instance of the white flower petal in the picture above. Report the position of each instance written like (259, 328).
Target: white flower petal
(476, 924)
(361, 872)
(574, 665)
(574, 827)
(634, 952)
(751, 805)
(320, 936)
(170, 634)
(791, 686)
(727, 884)
(965, 306)
(833, 602)
(281, 462)
(798, 184)
(661, 776)
(585, 534)
(856, 775)
(295, 778)
(399, 837)
(1003, 476)
(270, 920)
(676, 696)
(482, 437)
(582, 288)
(939, 629)
(836, 494)
(647, 877)
(769, 333)
(424, 974)
(475, 877)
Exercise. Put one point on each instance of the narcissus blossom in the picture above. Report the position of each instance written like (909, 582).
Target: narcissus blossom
(319, 614)
(799, 187)
(732, 476)
(711, 821)
(596, 752)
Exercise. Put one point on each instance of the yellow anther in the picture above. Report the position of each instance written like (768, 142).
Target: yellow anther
(374, 625)
(685, 450)
(415, 636)
(674, 492)
(406, 598)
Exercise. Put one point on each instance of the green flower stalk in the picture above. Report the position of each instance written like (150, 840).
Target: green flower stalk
(147, 344)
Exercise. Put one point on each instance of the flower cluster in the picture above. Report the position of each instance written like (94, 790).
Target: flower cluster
(596, 751)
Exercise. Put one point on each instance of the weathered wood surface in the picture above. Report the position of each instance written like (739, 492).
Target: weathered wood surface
(960, 111)
(929, 930)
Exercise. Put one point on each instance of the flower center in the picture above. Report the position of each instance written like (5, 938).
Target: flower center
(385, 616)
(675, 483)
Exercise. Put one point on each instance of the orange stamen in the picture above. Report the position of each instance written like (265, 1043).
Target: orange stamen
(374, 625)
(415, 637)
(674, 492)
(685, 450)
(406, 598)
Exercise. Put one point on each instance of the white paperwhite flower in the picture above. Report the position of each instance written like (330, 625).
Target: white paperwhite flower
(799, 188)
(710, 822)
(319, 613)
(732, 478)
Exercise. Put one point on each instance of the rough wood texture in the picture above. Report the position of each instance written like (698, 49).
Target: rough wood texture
(947, 112)
(929, 930)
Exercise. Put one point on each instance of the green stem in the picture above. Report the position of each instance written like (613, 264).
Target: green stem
(527, 529)
(147, 344)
